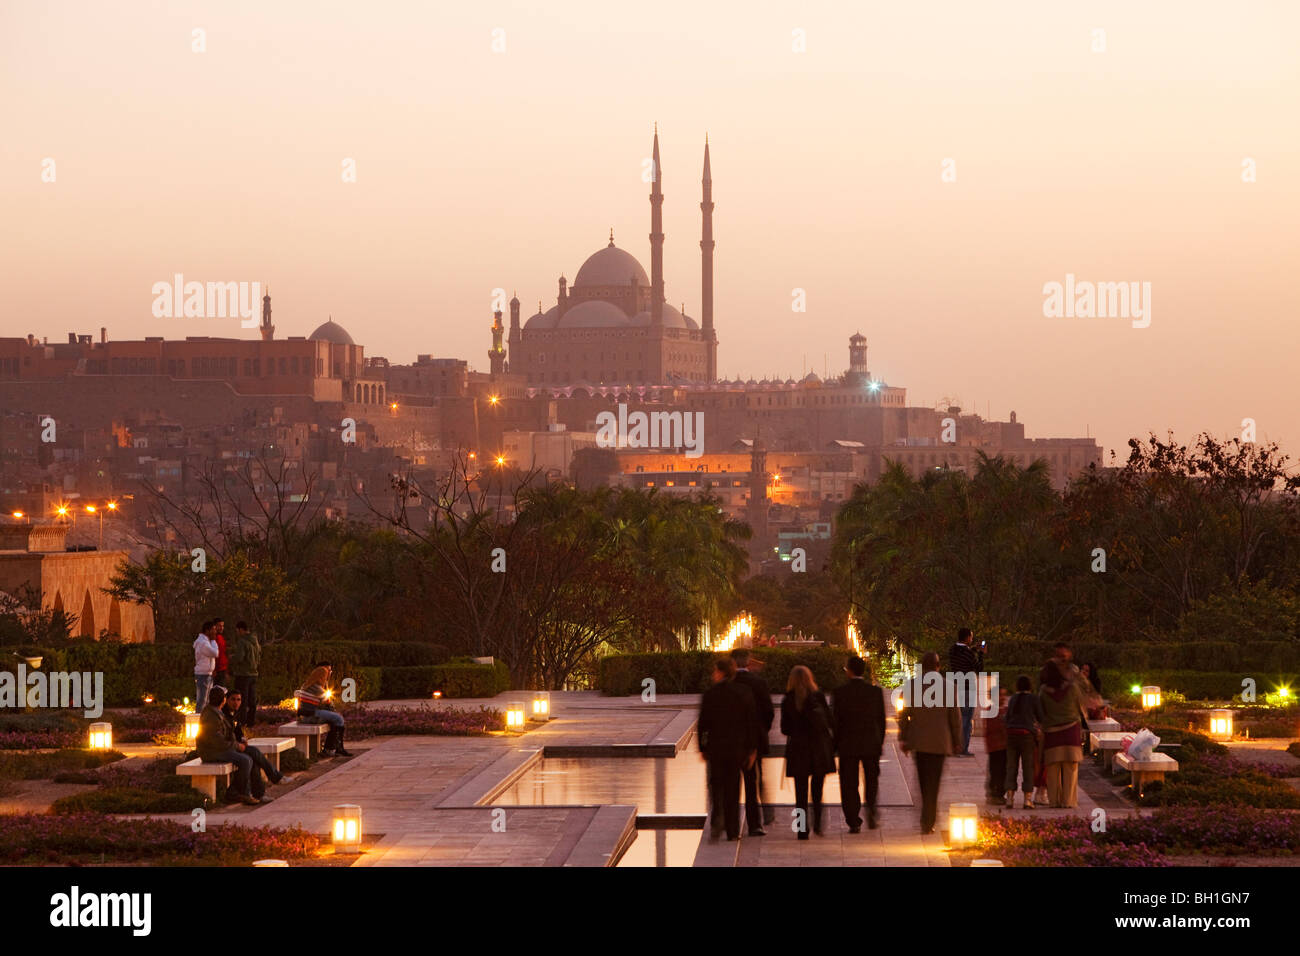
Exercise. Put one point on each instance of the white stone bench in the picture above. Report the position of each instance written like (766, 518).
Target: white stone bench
(1108, 744)
(1105, 725)
(203, 776)
(1142, 772)
(272, 747)
(306, 737)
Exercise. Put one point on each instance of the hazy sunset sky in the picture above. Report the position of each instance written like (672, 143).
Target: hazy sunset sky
(478, 170)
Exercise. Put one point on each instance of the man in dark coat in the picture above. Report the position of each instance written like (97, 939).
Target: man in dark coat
(858, 725)
(755, 812)
(728, 733)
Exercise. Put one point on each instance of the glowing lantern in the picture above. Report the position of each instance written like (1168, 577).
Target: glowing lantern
(347, 828)
(962, 824)
(515, 716)
(191, 728)
(101, 736)
(1221, 724)
(1150, 697)
(541, 705)
(899, 703)
(273, 863)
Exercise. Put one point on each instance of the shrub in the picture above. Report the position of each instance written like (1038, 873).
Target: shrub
(292, 761)
(1294, 749)
(40, 839)
(422, 721)
(39, 766)
(688, 672)
(128, 800)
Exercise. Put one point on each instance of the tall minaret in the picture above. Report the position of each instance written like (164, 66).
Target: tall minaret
(267, 329)
(657, 240)
(706, 271)
(497, 353)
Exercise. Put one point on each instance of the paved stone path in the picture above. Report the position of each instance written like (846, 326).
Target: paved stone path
(457, 801)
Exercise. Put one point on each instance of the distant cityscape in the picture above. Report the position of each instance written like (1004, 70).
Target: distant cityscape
(159, 417)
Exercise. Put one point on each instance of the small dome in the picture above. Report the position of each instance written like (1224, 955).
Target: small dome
(331, 331)
(610, 266)
(789, 381)
(593, 314)
(812, 378)
(672, 319)
(543, 320)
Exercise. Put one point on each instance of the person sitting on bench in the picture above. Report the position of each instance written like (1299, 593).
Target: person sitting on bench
(314, 708)
(234, 701)
(216, 743)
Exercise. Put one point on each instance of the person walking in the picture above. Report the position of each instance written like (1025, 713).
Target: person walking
(809, 747)
(995, 745)
(930, 732)
(245, 657)
(964, 659)
(1063, 722)
(728, 734)
(1024, 724)
(205, 660)
(858, 730)
(755, 811)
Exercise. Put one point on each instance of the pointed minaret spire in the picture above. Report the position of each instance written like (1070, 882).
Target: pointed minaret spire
(706, 270)
(267, 329)
(611, 235)
(656, 239)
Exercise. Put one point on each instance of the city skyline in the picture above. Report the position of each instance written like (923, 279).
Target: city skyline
(480, 171)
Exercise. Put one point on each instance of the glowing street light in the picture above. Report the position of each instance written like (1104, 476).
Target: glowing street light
(101, 736)
(1221, 724)
(494, 399)
(1150, 697)
(346, 828)
(962, 825)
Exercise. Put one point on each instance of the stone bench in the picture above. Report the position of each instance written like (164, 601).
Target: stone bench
(1142, 772)
(1108, 744)
(1105, 725)
(203, 776)
(272, 747)
(306, 737)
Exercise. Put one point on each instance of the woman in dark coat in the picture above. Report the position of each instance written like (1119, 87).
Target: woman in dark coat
(809, 751)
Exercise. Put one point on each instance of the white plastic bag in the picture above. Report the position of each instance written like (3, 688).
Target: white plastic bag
(1143, 745)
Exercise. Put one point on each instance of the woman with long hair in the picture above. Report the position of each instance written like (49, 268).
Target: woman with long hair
(1063, 722)
(809, 751)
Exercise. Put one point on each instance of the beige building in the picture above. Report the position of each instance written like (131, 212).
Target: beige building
(33, 556)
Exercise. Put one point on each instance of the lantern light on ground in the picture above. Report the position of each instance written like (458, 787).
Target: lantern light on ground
(270, 863)
(1150, 697)
(962, 823)
(101, 736)
(899, 703)
(437, 694)
(986, 863)
(541, 705)
(191, 728)
(1221, 724)
(346, 830)
(515, 715)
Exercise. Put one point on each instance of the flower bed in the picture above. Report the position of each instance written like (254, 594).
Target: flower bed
(1139, 841)
(41, 766)
(33, 839)
(1209, 776)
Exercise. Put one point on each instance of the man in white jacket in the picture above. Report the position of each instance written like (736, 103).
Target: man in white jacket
(205, 662)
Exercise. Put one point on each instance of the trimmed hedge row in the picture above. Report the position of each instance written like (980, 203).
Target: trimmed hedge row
(689, 672)
(380, 669)
(1265, 656)
(1195, 685)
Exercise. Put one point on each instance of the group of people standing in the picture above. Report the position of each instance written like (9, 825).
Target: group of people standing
(215, 664)
(736, 716)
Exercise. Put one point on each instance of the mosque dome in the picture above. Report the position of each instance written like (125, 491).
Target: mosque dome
(542, 320)
(610, 266)
(593, 314)
(672, 319)
(812, 378)
(331, 331)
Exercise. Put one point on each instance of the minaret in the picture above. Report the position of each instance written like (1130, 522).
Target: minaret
(706, 271)
(657, 240)
(514, 326)
(497, 353)
(267, 329)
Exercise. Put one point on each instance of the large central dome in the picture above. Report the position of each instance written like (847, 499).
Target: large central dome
(610, 266)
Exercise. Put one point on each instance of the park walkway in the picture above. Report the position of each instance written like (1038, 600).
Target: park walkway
(462, 801)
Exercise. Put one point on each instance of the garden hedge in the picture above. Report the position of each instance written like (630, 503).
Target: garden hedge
(1195, 685)
(1262, 656)
(688, 672)
(167, 670)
